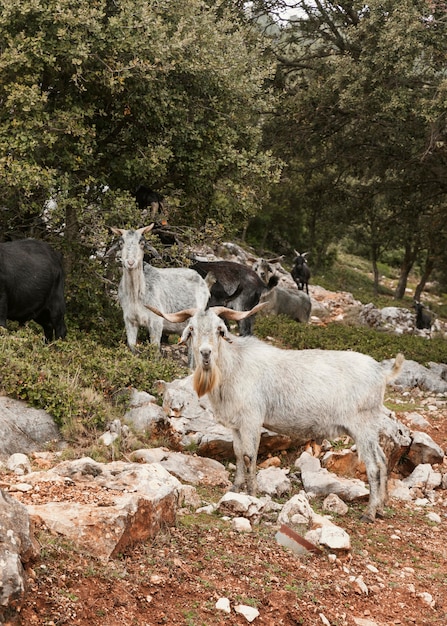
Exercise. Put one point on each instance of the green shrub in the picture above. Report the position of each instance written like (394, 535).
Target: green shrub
(78, 379)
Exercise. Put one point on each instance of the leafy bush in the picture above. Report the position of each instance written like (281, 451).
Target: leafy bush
(77, 380)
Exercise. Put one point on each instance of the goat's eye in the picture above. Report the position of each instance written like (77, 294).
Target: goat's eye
(221, 331)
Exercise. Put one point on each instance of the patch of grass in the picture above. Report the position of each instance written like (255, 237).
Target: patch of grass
(335, 336)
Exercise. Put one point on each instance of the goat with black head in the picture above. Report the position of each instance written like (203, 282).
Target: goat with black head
(423, 319)
(300, 271)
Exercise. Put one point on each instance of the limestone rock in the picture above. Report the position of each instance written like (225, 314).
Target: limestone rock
(17, 546)
(23, 428)
(138, 500)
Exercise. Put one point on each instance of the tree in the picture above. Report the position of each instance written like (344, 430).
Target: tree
(363, 107)
(98, 97)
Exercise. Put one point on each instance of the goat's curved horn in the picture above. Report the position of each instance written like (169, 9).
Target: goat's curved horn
(174, 318)
(230, 314)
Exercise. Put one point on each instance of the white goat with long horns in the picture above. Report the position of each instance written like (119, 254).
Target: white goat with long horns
(306, 394)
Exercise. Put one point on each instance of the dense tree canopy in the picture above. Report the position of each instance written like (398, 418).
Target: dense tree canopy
(106, 95)
(362, 124)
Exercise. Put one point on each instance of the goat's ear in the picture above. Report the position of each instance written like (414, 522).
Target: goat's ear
(117, 231)
(186, 334)
(145, 229)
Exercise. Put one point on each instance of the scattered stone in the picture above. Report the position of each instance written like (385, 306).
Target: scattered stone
(434, 517)
(243, 505)
(23, 428)
(423, 476)
(427, 599)
(424, 450)
(241, 525)
(273, 481)
(19, 464)
(223, 604)
(139, 499)
(358, 585)
(334, 504)
(296, 511)
(249, 612)
(318, 480)
(288, 538)
(417, 420)
(334, 537)
(17, 546)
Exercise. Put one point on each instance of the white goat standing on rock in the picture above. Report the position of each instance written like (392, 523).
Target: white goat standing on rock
(305, 394)
(169, 289)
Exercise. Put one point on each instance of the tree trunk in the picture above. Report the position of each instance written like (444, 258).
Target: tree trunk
(374, 259)
(405, 269)
(71, 238)
(429, 266)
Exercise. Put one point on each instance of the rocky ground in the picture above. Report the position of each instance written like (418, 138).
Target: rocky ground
(395, 572)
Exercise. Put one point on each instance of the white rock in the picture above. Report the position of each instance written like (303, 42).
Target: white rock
(19, 464)
(434, 517)
(273, 481)
(248, 612)
(335, 504)
(358, 585)
(297, 510)
(427, 598)
(108, 438)
(335, 538)
(223, 604)
(241, 524)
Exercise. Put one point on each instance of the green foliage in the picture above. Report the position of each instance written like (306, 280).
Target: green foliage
(106, 96)
(78, 380)
(362, 96)
(337, 336)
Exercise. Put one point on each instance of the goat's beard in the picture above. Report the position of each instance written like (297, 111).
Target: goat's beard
(205, 380)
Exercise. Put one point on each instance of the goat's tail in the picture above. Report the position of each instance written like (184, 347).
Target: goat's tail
(397, 366)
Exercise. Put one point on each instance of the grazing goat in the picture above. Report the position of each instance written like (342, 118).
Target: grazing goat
(32, 286)
(423, 319)
(300, 271)
(305, 394)
(168, 289)
(264, 268)
(145, 197)
(235, 286)
(280, 301)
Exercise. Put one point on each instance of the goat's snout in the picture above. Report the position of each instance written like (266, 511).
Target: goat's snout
(205, 353)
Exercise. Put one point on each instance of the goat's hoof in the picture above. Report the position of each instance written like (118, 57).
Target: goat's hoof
(367, 518)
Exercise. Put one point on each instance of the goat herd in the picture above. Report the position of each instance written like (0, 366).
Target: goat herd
(305, 394)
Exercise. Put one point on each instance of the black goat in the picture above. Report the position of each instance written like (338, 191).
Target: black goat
(146, 197)
(32, 286)
(300, 271)
(235, 286)
(423, 319)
